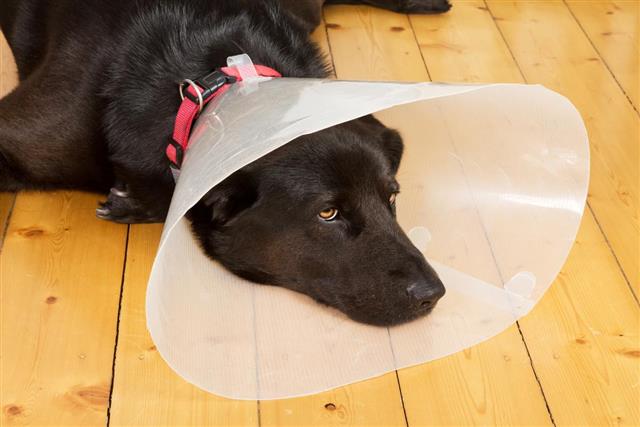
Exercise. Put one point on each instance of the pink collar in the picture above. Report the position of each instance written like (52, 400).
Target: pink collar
(198, 93)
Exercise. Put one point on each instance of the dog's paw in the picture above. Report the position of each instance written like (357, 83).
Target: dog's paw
(121, 208)
(425, 6)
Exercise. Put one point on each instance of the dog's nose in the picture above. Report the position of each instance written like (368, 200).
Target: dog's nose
(425, 294)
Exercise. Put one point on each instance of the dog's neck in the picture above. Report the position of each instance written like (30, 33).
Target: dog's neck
(163, 44)
(188, 43)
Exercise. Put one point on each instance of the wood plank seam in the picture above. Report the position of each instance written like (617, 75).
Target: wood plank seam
(606, 239)
(115, 344)
(404, 410)
(588, 205)
(535, 374)
(415, 37)
(329, 56)
(256, 357)
(604, 61)
(524, 342)
(5, 225)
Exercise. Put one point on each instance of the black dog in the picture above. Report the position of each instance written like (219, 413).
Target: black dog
(95, 109)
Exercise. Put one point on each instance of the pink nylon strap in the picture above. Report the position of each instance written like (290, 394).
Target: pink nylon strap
(189, 111)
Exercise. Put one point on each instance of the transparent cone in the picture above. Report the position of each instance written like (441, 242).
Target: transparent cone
(494, 180)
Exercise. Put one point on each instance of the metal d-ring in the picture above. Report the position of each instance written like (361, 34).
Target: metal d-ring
(198, 92)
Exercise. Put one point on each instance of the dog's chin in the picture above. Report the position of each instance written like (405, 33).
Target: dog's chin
(376, 316)
(388, 318)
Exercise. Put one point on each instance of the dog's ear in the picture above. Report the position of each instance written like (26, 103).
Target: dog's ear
(228, 199)
(389, 139)
(393, 147)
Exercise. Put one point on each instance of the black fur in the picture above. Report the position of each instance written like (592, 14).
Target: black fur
(95, 108)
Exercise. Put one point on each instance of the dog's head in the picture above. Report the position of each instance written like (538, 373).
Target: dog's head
(318, 216)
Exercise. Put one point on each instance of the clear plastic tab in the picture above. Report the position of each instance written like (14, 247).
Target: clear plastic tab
(494, 180)
(244, 65)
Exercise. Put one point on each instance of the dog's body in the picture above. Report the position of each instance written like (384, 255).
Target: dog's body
(99, 84)
(95, 109)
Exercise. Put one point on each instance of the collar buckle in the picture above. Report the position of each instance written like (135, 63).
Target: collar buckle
(205, 86)
(213, 81)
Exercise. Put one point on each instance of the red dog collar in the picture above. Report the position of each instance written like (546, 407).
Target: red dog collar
(196, 95)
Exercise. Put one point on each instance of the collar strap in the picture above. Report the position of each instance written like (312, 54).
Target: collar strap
(195, 95)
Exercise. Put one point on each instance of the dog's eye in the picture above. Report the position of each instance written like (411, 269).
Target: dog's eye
(392, 199)
(328, 214)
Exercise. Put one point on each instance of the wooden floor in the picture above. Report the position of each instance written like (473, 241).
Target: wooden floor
(75, 350)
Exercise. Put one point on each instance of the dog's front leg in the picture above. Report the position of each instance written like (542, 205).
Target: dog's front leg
(404, 6)
(137, 196)
(138, 124)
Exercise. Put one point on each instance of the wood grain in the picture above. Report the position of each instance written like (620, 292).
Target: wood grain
(613, 28)
(552, 50)
(60, 276)
(146, 391)
(373, 44)
(372, 402)
(464, 46)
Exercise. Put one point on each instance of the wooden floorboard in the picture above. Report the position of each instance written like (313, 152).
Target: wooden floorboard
(373, 44)
(146, 391)
(60, 276)
(613, 28)
(473, 387)
(372, 402)
(551, 49)
(464, 46)
(582, 337)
